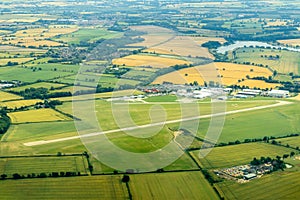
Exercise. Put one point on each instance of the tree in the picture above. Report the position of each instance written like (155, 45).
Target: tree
(125, 179)
(285, 156)
(292, 154)
(3, 176)
(16, 176)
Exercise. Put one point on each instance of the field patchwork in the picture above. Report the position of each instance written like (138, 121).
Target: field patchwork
(40, 115)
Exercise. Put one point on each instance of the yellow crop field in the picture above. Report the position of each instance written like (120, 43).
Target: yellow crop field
(291, 42)
(147, 60)
(202, 40)
(44, 43)
(4, 61)
(225, 73)
(20, 103)
(40, 115)
(258, 83)
(5, 96)
(181, 45)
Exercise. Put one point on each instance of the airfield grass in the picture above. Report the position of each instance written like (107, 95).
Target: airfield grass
(37, 165)
(278, 185)
(40, 115)
(107, 111)
(277, 121)
(233, 155)
(20, 103)
(183, 185)
(287, 62)
(5, 96)
(167, 98)
(104, 187)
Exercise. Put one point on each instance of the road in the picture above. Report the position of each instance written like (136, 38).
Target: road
(41, 142)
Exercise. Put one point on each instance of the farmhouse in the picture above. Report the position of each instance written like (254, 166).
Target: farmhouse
(250, 176)
(279, 93)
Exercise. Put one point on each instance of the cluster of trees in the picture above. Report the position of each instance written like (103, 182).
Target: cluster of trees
(277, 163)
(264, 139)
(40, 93)
(211, 44)
(41, 175)
(4, 121)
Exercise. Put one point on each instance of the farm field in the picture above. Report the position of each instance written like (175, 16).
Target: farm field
(181, 46)
(39, 131)
(191, 185)
(234, 155)
(286, 63)
(291, 141)
(290, 42)
(30, 75)
(258, 84)
(38, 36)
(40, 115)
(154, 36)
(5, 96)
(37, 85)
(280, 185)
(104, 95)
(20, 50)
(4, 61)
(148, 61)
(37, 165)
(87, 35)
(227, 73)
(106, 187)
(20, 103)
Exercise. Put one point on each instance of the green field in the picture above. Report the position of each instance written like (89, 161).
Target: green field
(291, 141)
(37, 165)
(287, 62)
(278, 121)
(104, 187)
(138, 110)
(166, 98)
(185, 185)
(28, 75)
(234, 155)
(87, 35)
(37, 85)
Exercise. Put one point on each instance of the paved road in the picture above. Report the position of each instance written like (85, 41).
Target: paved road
(36, 143)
